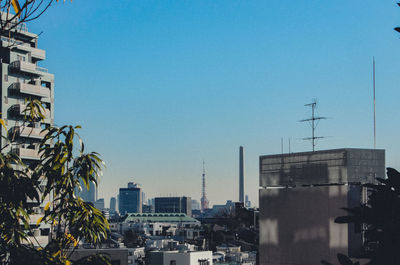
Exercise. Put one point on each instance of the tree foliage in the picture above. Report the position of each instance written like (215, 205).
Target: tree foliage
(380, 221)
(63, 166)
(17, 12)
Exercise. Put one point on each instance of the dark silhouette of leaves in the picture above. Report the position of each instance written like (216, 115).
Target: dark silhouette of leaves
(380, 221)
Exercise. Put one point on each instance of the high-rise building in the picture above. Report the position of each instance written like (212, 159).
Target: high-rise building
(247, 203)
(143, 198)
(113, 203)
(117, 206)
(312, 188)
(195, 205)
(173, 205)
(88, 195)
(130, 199)
(22, 79)
(241, 175)
(99, 204)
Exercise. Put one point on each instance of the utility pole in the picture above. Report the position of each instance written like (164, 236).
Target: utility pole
(313, 124)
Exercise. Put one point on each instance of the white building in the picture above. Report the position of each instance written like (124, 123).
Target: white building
(181, 258)
(135, 255)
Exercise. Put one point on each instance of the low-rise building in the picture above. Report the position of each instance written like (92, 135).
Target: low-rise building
(117, 255)
(180, 258)
(154, 224)
(136, 256)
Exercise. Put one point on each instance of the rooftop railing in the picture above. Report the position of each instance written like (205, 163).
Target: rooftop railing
(11, 41)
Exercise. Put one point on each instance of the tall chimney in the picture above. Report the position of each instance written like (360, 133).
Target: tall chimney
(241, 175)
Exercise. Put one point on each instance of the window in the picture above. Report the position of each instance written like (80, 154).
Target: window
(44, 232)
(172, 262)
(20, 58)
(6, 99)
(203, 262)
(6, 77)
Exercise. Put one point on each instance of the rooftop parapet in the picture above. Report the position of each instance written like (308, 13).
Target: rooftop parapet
(336, 166)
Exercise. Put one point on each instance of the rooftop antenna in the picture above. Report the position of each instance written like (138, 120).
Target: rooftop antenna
(373, 71)
(313, 121)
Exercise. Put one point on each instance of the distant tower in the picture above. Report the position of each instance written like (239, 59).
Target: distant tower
(241, 175)
(204, 200)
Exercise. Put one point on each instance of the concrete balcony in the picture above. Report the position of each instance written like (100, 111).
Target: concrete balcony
(35, 217)
(35, 52)
(24, 131)
(37, 241)
(23, 46)
(27, 153)
(29, 68)
(38, 53)
(31, 89)
(20, 110)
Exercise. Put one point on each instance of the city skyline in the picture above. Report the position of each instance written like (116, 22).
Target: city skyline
(181, 82)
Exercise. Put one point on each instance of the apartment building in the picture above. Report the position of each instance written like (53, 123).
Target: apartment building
(21, 79)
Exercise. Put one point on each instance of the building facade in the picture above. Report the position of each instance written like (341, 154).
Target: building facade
(88, 195)
(113, 203)
(22, 79)
(173, 205)
(195, 205)
(300, 196)
(180, 258)
(130, 199)
(99, 204)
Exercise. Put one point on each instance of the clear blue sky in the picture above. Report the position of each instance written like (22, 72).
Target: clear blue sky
(158, 86)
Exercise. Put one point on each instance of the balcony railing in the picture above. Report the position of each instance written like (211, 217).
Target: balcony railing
(31, 89)
(41, 69)
(11, 41)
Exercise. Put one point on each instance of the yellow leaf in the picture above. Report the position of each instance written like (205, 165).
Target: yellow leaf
(3, 123)
(16, 6)
(47, 206)
(67, 262)
(39, 220)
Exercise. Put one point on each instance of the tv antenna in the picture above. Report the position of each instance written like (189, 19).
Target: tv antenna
(313, 121)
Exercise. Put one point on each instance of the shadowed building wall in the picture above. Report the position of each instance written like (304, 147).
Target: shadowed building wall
(301, 194)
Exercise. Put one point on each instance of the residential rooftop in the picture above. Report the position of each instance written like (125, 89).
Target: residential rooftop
(159, 217)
